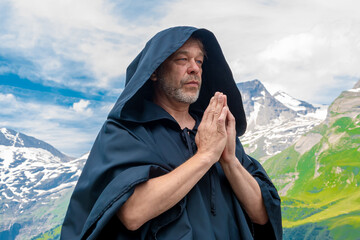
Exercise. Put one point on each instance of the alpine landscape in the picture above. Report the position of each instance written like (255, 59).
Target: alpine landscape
(318, 175)
(310, 152)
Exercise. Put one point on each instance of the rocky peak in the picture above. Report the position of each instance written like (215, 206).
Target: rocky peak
(357, 85)
(260, 106)
(9, 137)
(346, 105)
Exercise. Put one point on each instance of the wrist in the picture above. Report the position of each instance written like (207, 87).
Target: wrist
(229, 158)
(230, 162)
(207, 158)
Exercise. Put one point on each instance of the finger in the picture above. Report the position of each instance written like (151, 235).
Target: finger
(219, 106)
(207, 110)
(231, 116)
(211, 108)
(221, 120)
(230, 120)
(225, 101)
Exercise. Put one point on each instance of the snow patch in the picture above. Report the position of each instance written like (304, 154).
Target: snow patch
(289, 101)
(7, 196)
(12, 138)
(320, 113)
(356, 90)
(255, 113)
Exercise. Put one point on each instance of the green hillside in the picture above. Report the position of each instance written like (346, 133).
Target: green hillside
(53, 234)
(318, 177)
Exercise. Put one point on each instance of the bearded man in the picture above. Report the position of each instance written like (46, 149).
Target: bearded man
(168, 163)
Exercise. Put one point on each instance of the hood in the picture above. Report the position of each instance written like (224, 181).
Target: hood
(216, 76)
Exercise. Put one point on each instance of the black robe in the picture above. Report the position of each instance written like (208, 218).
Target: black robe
(140, 141)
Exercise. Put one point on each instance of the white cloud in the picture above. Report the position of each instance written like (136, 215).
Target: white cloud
(71, 130)
(7, 98)
(292, 48)
(66, 39)
(282, 43)
(82, 107)
(296, 46)
(310, 64)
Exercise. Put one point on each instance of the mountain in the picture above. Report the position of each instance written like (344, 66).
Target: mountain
(274, 122)
(260, 106)
(10, 137)
(297, 105)
(318, 176)
(36, 181)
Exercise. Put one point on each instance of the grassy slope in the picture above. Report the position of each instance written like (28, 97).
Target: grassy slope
(330, 201)
(47, 216)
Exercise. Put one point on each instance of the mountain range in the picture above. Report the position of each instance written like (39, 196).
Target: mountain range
(275, 121)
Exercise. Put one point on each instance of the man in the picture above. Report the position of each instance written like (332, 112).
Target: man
(167, 163)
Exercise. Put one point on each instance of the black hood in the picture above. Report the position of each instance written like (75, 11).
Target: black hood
(216, 76)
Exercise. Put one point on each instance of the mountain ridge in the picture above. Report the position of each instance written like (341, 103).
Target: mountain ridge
(9, 137)
(273, 124)
(35, 181)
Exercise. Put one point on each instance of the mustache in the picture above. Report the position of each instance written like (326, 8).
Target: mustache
(191, 78)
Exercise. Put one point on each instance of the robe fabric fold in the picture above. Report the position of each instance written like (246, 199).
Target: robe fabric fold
(140, 141)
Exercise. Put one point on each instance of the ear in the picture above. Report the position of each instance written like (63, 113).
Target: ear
(153, 76)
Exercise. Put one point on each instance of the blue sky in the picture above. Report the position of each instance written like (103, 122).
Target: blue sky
(62, 63)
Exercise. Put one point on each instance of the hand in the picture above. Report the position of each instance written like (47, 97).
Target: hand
(228, 154)
(211, 137)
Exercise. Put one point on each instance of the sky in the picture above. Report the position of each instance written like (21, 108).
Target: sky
(63, 63)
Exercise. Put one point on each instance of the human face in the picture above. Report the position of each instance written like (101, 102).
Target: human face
(179, 77)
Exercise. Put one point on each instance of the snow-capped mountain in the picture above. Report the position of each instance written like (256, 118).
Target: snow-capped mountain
(306, 109)
(35, 179)
(294, 104)
(10, 137)
(260, 107)
(275, 122)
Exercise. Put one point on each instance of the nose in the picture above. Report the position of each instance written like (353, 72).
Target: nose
(193, 68)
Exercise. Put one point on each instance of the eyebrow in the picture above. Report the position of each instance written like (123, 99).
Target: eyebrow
(186, 52)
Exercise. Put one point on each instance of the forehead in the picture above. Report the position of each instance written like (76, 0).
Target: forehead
(193, 46)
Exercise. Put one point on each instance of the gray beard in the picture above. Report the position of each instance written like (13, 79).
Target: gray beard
(177, 93)
(180, 96)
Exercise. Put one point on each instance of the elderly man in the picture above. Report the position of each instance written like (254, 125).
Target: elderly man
(167, 163)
